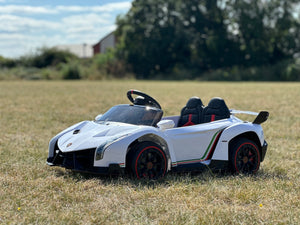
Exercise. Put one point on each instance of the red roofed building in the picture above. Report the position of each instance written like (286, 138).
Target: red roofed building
(109, 41)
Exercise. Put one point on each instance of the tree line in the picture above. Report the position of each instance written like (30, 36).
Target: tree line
(177, 39)
(167, 37)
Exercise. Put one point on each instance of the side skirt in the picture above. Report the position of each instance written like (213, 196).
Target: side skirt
(213, 165)
(219, 165)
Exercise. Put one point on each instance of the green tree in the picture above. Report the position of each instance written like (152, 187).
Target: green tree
(211, 44)
(5, 62)
(153, 38)
(158, 36)
(266, 31)
(51, 57)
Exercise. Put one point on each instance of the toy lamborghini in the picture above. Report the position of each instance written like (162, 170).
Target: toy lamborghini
(136, 139)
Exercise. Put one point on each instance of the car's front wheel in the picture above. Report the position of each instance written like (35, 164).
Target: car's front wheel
(244, 156)
(149, 161)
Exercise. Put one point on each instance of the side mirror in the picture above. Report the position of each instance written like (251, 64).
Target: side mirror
(98, 117)
(165, 124)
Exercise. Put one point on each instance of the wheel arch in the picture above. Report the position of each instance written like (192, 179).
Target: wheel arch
(251, 135)
(148, 137)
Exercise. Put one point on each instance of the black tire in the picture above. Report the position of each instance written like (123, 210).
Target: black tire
(244, 156)
(149, 161)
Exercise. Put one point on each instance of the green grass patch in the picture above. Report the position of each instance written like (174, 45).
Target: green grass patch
(33, 193)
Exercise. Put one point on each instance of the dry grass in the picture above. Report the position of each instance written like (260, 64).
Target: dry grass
(33, 193)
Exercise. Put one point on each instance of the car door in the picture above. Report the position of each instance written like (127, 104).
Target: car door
(194, 144)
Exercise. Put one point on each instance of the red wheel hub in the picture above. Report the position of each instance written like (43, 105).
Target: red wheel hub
(149, 165)
(245, 159)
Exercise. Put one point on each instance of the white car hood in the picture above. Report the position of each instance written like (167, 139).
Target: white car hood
(92, 134)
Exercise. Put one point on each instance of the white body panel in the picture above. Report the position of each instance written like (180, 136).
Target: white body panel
(192, 142)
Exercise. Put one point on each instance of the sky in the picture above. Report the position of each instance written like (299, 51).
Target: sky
(26, 25)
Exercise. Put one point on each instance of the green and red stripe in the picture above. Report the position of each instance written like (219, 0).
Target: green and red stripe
(122, 165)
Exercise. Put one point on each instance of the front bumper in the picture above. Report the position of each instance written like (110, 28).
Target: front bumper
(82, 161)
(264, 151)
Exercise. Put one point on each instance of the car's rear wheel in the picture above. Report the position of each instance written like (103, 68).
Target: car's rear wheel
(244, 156)
(149, 161)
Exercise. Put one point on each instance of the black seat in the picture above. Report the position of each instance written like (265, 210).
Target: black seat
(215, 110)
(191, 113)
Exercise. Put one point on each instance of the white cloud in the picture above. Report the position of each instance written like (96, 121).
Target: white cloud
(86, 20)
(19, 9)
(87, 28)
(12, 45)
(24, 9)
(113, 7)
(21, 35)
(110, 7)
(15, 45)
(23, 28)
(11, 23)
(89, 37)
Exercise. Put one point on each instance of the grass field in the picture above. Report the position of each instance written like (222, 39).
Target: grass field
(33, 193)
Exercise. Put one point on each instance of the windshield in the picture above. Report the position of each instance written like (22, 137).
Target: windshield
(132, 114)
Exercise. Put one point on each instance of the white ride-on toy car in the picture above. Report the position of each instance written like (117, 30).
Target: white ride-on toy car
(136, 139)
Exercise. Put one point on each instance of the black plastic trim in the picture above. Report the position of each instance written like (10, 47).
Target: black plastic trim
(82, 161)
(264, 151)
(190, 167)
(261, 117)
(215, 165)
(113, 169)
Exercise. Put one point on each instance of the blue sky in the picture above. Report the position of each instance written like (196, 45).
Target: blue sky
(26, 25)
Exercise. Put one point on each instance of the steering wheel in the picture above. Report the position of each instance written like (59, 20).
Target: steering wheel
(148, 99)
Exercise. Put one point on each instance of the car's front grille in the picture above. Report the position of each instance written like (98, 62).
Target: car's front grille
(78, 160)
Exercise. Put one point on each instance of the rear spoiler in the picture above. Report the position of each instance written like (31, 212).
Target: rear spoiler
(261, 117)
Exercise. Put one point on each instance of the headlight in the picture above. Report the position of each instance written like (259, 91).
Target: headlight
(101, 148)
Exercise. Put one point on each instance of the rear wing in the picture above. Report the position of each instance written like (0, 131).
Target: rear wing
(261, 117)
